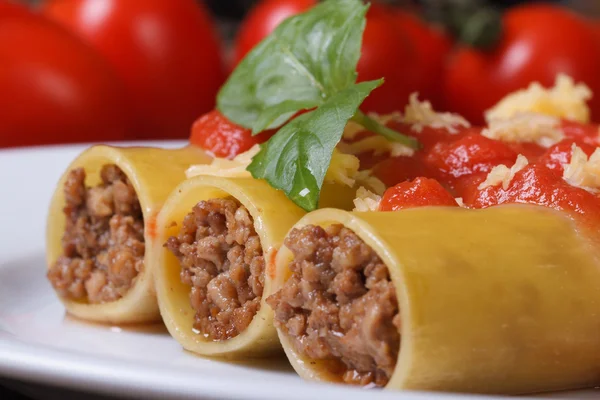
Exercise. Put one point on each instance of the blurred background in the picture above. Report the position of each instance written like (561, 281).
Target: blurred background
(109, 70)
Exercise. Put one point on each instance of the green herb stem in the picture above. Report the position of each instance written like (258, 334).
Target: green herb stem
(390, 134)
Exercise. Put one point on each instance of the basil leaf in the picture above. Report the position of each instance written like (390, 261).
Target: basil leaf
(296, 159)
(307, 59)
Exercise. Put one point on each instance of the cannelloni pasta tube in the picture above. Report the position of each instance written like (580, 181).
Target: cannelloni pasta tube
(102, 216)
(501, 300)
(216, 243)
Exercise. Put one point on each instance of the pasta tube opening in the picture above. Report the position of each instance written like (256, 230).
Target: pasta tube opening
(103, 242)
(339, 305)
(217, 239)
(457, 275)
(222, 262)
(100, 227)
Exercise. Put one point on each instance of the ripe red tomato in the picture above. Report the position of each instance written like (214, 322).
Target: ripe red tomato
(432, 46)
(223, 138)
(166, 52)
(386, 51)
(55, 89)
(539, 41)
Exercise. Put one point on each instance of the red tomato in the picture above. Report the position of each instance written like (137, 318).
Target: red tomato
(432, 46)
(55, 89)
(539, 41)
(223, 138)
(418, 193)
(262, 20)
(386, 51)
(166, 52)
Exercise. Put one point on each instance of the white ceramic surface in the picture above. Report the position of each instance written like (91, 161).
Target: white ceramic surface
(39, 344)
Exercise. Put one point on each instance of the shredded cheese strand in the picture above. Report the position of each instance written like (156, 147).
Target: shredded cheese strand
(421, 114)
(564, 100)
(501, 174)
(366, 200)
(526, 127)
(581, 171)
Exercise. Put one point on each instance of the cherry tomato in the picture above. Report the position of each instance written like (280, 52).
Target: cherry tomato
(386, 51)
(166, 52)
(538, 42)
(223, 138)
(55, 89)
(433, 47)
(418, 193)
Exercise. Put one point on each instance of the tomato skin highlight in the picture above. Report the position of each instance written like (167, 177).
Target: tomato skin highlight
(417, 193)
(538, 42)
(55, 89)
(166, 52)
(222, 138)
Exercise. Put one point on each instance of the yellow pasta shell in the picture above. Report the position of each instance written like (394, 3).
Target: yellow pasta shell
(273, 216)
(153, 173)
(502, 300)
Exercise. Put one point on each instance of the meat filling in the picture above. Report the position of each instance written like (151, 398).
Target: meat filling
(339, 304)
(103, 242)
(222, 260)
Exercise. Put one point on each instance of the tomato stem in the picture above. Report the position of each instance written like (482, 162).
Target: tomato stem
(482, 29)
(475, 23)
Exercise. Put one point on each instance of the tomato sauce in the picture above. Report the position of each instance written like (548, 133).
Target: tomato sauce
(452, 165)
(417, 193)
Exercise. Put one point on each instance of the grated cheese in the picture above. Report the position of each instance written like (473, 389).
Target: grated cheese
(235, 168)
(364, 178)
(460, 202)
(504, 175)
(565, 100)
(583, 172)
(343, 168)
(526, 127)
(421, 114)
(418, 114)
(366, 200)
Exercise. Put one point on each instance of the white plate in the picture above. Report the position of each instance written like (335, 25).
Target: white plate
(38, 343)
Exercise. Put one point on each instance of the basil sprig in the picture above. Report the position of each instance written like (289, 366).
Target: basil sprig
(308, 62)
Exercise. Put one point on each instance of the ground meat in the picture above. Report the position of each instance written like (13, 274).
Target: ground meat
(222, 260)
(103, 243)
(339, 304)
